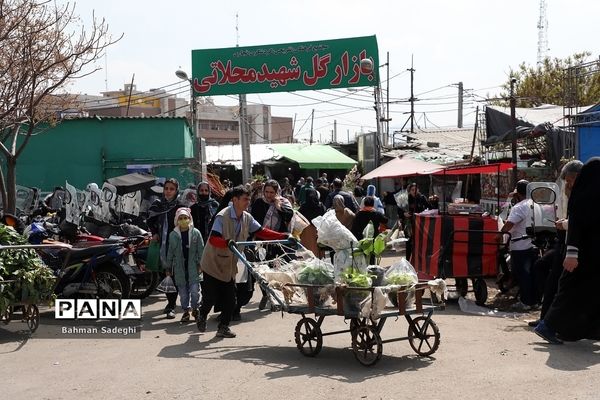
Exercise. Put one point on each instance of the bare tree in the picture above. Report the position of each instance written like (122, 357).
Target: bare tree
(43, 47)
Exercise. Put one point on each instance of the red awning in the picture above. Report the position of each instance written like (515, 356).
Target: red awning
(403, 167)
(476, 169)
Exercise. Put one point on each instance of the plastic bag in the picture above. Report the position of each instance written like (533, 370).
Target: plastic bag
(315, 272)
(401, 199)
(298, 223)
(401, 273)
(342, 259)
(153, 256)
(242, 273)
(331, 232)
(167, 286)
(369, 231)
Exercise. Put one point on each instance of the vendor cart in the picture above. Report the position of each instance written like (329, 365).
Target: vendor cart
(460, 247)
(23, 309)
(461, 241)
(21, 304)
(365, 330)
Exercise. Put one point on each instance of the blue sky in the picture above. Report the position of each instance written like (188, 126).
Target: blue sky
(475, 42)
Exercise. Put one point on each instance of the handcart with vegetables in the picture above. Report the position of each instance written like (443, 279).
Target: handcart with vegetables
(25, 281)
(301, 284)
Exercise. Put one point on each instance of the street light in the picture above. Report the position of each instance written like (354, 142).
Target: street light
(181, 74)
(367, 68)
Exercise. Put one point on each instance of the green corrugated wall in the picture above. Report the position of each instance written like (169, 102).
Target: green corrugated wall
(91, 150)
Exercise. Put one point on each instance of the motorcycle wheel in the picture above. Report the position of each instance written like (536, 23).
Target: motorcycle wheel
(143, 287)
(112, 282)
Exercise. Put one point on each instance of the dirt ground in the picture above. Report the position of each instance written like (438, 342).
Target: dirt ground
(479, 357)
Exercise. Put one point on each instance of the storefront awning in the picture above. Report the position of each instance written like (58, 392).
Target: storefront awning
(403, 167)
(314, 156)
(477, 169)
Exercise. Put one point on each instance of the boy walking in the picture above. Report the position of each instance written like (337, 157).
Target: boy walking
(183, 262)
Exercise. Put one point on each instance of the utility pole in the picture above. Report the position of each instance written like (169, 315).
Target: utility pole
(312, 118)
(348, 132)
(513, 123)
(334, 131)
(129, 97)
(243, 120)
(387, 99)
(474, 133)
(460, 105)
(412, 97)
(244, 141)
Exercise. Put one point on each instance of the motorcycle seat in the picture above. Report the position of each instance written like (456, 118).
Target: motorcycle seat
(78, 254)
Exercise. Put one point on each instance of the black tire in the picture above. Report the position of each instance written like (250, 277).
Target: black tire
(420, 332)
(309, 338)
(462, 286)
(481, 291)
(7, 316)
(112, 282)
(143, 287)
(32, 316)
(366, 345)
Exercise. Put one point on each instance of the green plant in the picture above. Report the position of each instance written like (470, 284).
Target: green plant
(403, 279)
(375, 246)
(33, 281)
(354, 278)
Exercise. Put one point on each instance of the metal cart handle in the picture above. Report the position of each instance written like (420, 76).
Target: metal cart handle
(233, 246)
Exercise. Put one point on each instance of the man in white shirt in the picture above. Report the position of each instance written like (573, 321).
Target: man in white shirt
(522, 252)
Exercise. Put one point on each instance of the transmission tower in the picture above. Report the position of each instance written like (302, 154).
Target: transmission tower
(542, 34)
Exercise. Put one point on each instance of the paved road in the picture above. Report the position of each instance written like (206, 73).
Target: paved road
(479, 357)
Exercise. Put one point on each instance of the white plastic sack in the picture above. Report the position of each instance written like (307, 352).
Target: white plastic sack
(401, 199)
(242, 273)
(332, 233)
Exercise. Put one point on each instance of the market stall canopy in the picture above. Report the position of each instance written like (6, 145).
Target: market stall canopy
(403, 167)
(314, 156)
(476, 169)
(132, 182)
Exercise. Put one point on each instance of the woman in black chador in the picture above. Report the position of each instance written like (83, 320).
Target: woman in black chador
(575, 312)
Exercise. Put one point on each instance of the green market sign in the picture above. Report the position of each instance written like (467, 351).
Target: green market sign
(285, 67)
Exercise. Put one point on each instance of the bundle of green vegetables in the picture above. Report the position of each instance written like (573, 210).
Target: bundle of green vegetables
(400, 278)
(315, 274)
(353, 277)
(33, 281)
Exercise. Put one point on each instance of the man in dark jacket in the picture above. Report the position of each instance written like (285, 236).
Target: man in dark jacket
(349, 200)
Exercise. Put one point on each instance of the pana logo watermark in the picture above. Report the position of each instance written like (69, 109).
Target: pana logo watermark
(98, 309)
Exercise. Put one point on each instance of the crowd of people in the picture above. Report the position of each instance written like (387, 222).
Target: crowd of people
(195, 242)
(560, 282)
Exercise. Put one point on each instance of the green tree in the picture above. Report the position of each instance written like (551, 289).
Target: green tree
(556, 81)
(43, 47)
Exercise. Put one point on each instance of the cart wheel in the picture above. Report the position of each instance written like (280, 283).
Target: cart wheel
(356, 323)
(421, 331)
(33, 317)
(7, 316)
(462, 286)
(309, 338)
(367, 345)
(481, 291)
